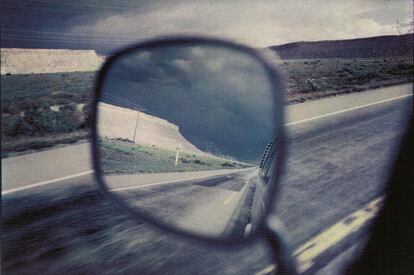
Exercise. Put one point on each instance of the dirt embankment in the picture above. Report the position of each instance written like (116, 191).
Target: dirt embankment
(28, 61)
(121, 123)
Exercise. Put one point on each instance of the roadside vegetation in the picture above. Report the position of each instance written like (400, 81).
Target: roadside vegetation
(315, 78)
(42, 110)
(125, 157)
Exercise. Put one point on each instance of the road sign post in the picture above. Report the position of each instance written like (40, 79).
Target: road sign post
(177, 154)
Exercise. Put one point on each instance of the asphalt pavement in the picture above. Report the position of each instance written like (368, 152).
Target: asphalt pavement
(203, 204)
(339, 153)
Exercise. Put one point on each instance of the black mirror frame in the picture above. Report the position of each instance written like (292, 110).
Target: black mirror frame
(278, 84)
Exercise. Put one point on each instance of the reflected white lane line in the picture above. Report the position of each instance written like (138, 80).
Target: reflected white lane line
(170, 181)
(230, 198)
(227, 174)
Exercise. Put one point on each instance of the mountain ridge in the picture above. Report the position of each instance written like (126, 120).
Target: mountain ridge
(376, 46)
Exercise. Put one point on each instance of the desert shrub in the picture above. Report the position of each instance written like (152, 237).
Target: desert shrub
(402, 69)
(66, 96)
(366, 76)
(183, 160)
(69, 118)
(13, 126)
(125, 140)
(41, 118)
(311, 85)
(359, 74)
(350, 71)
(28, 104)
(227, 164)
(44, 120)
(40, 144)
(9, 108)
(62, 101)
(86, 112)
(200, 162)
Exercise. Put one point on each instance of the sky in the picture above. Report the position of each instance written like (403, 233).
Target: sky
(111, 23)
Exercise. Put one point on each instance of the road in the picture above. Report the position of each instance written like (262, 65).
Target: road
(203, 201)
(337, 163)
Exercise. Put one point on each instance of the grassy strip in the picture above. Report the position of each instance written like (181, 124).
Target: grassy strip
(25, 90)
(122, 157)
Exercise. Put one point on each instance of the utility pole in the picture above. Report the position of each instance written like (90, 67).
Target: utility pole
(408, 26)
(136, 126)
(397, 27)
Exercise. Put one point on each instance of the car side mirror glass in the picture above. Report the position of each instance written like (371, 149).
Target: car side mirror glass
(188, 133)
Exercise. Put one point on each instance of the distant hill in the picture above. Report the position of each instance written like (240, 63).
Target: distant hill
(379, 46)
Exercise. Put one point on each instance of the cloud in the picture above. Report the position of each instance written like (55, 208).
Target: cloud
(366, 27)
(261, 23)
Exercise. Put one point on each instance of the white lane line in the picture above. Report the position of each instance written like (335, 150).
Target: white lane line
(347, 110)
(309, 251)
(46, 182)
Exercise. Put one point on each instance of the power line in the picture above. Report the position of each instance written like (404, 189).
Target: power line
(43, 9)
(124, 102)
(122, 36)
(73, 4)
(63, 39)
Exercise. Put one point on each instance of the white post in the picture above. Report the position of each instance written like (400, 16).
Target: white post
(177, 153)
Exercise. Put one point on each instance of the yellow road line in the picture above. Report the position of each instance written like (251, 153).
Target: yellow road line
(266, 270)
(307, 252)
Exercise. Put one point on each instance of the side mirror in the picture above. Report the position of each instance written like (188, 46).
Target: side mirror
(188, 134)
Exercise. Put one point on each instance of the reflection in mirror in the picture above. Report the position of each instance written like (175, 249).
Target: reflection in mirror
(184, 133)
